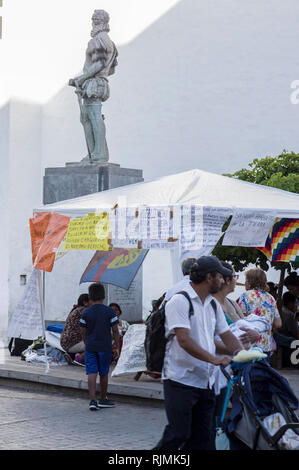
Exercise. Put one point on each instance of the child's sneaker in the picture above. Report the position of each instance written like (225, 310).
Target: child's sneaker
(106, 403)
(93, 405)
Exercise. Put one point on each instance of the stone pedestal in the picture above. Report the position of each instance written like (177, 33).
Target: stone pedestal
(62, 284)
(75, 180)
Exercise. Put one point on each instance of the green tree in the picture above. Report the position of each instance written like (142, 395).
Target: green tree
(278, 172)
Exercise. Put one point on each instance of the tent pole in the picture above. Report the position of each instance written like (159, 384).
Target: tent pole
(43, 304)
(43, 298)
(175, 262)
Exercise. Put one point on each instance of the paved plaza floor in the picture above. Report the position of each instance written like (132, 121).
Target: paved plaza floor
(47, 421)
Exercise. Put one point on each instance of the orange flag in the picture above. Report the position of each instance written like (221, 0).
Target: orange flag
(47, 230)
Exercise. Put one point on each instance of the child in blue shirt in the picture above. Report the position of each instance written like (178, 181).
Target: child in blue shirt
(96, 323)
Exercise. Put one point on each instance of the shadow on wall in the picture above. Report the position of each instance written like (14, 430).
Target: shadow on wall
(206, 86)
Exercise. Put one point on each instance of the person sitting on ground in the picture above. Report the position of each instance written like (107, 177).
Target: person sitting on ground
(289, 331)
(257, 300)
(123, 326)
(180, 286)
(290, 325)
(96, 323)
(272, 289)
(71, 338)
(291, 282)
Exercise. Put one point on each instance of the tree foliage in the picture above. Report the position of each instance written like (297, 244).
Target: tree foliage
(278, 172)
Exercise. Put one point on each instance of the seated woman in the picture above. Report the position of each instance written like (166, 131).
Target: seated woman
(123, 325)
(291, 282)
(71, 339)
(257, 300)
(290, 326)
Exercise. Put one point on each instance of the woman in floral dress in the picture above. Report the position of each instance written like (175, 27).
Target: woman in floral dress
(257, 300)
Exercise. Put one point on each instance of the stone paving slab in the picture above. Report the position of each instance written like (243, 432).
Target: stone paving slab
(73, 378)
(31, 420)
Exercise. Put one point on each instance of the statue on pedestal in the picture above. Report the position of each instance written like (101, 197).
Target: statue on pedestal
(92, 87)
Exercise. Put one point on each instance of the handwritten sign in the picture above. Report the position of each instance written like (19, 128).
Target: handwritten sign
(191, 227)
(248, 228)
(213, 220)
(26, 321)
(89, 233)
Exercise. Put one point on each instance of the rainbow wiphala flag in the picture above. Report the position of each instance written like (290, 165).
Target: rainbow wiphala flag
(283, 241)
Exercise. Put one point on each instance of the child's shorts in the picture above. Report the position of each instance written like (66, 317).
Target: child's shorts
(97, 362)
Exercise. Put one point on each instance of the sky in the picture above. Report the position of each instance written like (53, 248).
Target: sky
(37, 58)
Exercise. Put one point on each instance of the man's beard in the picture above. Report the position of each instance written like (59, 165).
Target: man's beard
(99, 28)
(215, 287)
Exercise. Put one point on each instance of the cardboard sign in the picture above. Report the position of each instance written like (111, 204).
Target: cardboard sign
(89, 233)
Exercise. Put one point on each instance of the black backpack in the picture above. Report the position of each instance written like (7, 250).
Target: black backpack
(155, 341)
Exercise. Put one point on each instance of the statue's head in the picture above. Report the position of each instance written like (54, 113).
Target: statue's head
(100, 21)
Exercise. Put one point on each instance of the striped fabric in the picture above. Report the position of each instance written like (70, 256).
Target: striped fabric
(283, 241)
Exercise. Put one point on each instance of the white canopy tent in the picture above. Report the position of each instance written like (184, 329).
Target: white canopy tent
(194, 187)
(191, 187)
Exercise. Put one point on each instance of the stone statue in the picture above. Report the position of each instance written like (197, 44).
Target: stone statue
(92, 87)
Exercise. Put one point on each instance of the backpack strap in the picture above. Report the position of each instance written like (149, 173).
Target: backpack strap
(185, 294)
(213, 303)
(191, 310)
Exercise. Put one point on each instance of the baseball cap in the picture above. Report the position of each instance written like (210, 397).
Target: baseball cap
(207, 264)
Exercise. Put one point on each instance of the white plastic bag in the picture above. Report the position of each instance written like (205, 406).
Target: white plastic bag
(290, 440)
(222, 441)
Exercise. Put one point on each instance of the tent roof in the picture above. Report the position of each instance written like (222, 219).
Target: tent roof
(190, 187)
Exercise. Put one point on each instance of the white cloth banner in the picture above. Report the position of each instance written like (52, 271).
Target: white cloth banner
(191, 227)
(26, 321)
(213, 220)
(201, 228)
(132, 357)
(248, 228)
(142, 227)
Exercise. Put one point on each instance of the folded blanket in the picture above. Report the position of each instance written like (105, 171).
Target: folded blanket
(254, 322)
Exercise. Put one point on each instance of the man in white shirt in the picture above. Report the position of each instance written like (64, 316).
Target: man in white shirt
(179, 286)
(190, 358)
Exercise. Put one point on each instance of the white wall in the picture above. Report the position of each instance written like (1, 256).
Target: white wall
(4, 232)
(24, 190)
(205, 86)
